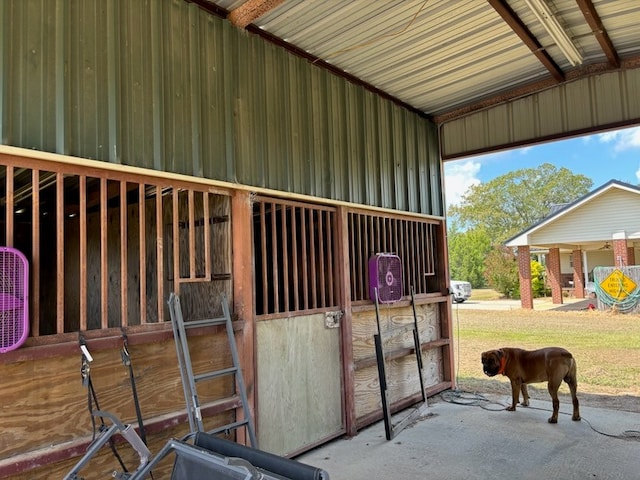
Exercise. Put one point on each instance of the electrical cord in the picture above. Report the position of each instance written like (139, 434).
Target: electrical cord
(473, 399)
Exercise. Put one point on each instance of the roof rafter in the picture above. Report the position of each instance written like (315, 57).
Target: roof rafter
(509, 16)
(251, 10)
(597, 28)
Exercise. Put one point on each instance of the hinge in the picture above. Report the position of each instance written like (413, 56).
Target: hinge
(332, 319)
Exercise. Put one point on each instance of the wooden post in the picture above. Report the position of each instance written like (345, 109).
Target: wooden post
(242, 235)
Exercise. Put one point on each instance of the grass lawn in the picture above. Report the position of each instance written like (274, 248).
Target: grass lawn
(484, 294)
(605, 346)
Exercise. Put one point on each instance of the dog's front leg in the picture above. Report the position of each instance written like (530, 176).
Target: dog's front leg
(515, 395)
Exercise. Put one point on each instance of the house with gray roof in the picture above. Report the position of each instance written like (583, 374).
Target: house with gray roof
(600, 229)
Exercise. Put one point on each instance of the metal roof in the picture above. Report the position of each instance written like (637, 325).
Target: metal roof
(446, 58)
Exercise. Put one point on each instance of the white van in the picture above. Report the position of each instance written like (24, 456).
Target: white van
(461, 290)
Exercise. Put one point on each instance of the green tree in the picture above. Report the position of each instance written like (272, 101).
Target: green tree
(501, 271)
(513, 202)
(467, 251)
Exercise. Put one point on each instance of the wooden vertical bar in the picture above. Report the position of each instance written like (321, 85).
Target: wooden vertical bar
(243, 294)
(207, 234)
(285, 256)
(312, 260)
(358, 280)
(35, 253)
(142, 252)
(331, 280)
(9, 208)
(83, 251)
(322, 262)
(423, 259)
(176, 241)
(192, 234)
(160, 252)
(412, 261)
(274, 255)
(104, 270)
(60, 252)
(305, 258)
(123, 255)
(294, 260)
(263, 246)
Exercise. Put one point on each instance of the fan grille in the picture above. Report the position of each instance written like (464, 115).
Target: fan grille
(14, 299)
(385, 278)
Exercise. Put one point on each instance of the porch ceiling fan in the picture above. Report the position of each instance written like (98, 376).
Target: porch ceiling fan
(606, 246)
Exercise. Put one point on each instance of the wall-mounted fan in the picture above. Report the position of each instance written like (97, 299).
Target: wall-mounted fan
(385, 277)
(14, 299)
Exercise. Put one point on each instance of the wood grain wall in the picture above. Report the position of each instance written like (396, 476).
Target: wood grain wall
(401, 368)
(44, 403)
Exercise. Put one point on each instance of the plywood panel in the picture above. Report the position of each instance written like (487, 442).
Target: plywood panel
(299, 383)
(44, 402)
(402, 372)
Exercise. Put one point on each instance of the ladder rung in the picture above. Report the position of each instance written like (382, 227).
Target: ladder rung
(217, 373)
(231, 426)
(207, 322)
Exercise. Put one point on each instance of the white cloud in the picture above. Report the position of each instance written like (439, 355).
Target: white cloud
(622, 139)
(458, 177)
(638, 174)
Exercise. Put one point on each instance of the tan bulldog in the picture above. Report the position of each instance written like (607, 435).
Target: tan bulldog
(551, 365)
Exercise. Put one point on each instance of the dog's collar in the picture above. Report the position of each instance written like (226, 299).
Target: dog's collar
(503, 364)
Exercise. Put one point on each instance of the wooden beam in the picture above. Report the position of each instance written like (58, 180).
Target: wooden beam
(509, 16)
(250, 11)
(597, 28)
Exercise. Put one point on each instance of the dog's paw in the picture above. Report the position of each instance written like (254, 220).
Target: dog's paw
(552, 420)
(512, 408)
(576, 418)
(525, 403)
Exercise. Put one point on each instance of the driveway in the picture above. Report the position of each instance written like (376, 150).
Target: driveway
(538, 304)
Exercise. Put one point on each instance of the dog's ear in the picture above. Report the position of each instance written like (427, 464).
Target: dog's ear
(500, 353)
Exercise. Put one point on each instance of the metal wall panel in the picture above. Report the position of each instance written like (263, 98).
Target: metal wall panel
(161, 84)
(589, 104)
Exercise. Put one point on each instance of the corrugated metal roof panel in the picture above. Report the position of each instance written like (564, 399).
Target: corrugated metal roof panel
(585, 104)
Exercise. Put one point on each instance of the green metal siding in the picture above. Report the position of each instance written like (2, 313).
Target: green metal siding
(161, 84)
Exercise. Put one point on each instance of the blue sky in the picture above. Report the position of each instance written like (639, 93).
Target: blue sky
(613, 155)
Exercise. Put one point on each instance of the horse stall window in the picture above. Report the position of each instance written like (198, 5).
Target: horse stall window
(413, 240)
(100, 243)
(295, 256)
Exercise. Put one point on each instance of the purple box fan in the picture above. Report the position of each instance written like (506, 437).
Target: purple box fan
(14, 299)
(385, 277)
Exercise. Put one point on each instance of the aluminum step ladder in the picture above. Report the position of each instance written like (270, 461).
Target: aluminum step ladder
(190, 380)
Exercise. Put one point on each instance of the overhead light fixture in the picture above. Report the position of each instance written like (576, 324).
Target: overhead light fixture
(542, 12)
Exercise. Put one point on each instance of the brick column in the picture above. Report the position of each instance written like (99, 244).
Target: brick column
(578, 274)
(620, 251)
(553, 274)
(524, 273)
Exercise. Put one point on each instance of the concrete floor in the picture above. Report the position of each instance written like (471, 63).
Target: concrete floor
(459, 441)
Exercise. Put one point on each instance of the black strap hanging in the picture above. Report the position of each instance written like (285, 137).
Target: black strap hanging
(126, 360)
(85, 372)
